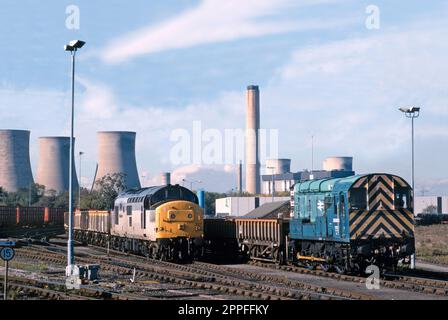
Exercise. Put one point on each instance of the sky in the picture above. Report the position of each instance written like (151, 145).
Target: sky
(335, 70)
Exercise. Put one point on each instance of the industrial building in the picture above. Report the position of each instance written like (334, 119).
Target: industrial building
(54, 163)
(15, 165)
(116, 154)
(280, 178)
(438, 203)
(240, 206)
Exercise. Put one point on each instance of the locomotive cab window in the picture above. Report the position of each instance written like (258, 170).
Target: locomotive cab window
(358, 199)
(402, 198)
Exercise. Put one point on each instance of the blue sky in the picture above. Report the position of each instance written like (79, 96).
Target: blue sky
(154, 66)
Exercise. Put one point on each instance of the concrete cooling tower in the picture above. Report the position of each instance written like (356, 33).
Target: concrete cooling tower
(54, 163)
(338, 164)
(280, 166)
(15, 166)
(116, 154)
(252, 140)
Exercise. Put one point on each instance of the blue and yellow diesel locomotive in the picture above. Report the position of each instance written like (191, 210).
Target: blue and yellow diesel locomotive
(350, 223)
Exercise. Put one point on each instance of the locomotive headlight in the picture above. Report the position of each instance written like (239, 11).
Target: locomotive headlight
(172, 216)
(190, 216)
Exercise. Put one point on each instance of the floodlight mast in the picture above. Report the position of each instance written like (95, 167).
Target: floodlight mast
(412, 113)
(72, 47)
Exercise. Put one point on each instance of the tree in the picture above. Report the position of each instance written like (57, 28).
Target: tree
(25, 196)
(107, 190)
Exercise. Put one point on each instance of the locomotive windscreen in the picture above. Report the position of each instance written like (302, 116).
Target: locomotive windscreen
(172, 193)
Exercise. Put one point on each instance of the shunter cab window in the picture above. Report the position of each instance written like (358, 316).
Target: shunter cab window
(402, 198)
(358, 199)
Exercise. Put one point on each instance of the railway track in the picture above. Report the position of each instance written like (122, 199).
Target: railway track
(274, 284)
(208, 276)
(423, 285)
(157, 273)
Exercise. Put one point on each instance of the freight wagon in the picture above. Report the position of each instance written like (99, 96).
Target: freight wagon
(220, 239)
(31, 222)
(263, 239)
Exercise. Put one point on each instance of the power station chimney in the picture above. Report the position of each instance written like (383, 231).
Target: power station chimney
(116, 154)
(166, 178)
(15, 166)
(239, 177)
(252, 140)
(54, 161)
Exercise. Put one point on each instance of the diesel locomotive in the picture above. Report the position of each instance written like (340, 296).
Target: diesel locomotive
(350, 223)
(162, 222)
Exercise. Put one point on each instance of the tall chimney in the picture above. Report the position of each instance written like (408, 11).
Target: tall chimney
(166, 178)
(239, 177)
(252, 140)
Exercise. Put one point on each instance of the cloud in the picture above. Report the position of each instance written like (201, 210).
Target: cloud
(214, 21)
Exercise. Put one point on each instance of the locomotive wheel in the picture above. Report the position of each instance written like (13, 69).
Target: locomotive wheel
(340, 269)
(154, 251)
(325, 267)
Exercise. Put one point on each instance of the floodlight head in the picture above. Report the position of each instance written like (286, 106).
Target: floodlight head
(414, 109)
(74, 45)
(77, 44)
(403, 110)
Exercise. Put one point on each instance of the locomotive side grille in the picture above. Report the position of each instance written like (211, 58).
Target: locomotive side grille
(368, 224)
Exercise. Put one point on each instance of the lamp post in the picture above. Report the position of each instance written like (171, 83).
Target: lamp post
(412, 113)
(273, 182)
(72, 47)
(79, 180)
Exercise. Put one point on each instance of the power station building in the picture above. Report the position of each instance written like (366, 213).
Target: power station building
(116, 154)
(15, 165)
(54, 163)
(279, 177)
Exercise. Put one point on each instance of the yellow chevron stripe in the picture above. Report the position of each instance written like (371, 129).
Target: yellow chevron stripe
(385, 223)
(409, 224)
(400, 181)
(388, 181)
(360, 182)
(360, 218)
(397, 223)
(369, 219)
(386, 203)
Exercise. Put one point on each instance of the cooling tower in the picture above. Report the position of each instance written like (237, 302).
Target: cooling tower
(338, 164)
(252, 140)
(15, 166)
(54, 163)
(116, 154)
(166, 178)
(280, 166)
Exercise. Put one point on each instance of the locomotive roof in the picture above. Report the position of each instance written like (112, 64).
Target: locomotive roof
(159, 192)
(333, 184)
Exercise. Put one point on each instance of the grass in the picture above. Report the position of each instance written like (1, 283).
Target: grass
(39, 267)
(432, 243)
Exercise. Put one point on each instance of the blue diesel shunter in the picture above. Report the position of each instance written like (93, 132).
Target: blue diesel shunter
(350, 223)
